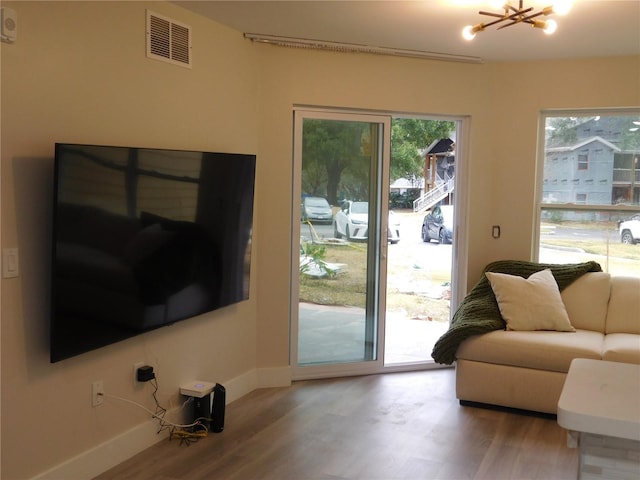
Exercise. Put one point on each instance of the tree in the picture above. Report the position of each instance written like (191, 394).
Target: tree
(562, 130)
(331, 146)
(336, 155)
(409, 138)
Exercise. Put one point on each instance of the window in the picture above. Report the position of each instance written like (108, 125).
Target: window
(590, 168)
(583, 161)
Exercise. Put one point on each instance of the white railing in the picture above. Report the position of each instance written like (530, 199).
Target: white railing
(433, 196)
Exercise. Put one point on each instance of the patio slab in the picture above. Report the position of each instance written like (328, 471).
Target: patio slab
(333, 334)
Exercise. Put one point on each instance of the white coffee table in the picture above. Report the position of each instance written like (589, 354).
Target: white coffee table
(601, 401)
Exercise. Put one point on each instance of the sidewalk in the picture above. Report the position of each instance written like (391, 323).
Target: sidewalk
(329, 334)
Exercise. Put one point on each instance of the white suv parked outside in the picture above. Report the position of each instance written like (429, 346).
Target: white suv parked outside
(630, 230)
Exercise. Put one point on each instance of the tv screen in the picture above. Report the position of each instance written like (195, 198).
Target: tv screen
(144, 238)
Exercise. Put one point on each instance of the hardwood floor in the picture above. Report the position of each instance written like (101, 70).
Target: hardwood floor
(392, 426)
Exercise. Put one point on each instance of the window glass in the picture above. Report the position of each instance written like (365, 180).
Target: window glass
(590, 192)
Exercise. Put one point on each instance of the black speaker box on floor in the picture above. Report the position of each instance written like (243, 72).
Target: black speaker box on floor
(217, 410)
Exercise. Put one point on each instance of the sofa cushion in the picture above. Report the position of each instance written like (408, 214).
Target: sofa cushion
(621, 347)
(542, 350)
(586, 301)
(532, 303)
(623, 315)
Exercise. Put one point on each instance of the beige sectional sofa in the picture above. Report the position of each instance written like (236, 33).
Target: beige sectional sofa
(527, 369)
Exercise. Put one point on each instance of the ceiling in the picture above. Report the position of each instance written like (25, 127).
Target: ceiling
(593, 28)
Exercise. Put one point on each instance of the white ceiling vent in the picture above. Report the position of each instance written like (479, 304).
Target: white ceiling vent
(168, 40)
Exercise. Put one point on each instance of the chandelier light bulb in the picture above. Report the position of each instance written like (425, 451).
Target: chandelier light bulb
(469, 32)
(550, 27)
(499, 4)
(562, 7)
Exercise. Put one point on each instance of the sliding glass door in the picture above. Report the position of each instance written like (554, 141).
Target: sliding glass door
(339, 159)
(371, 292)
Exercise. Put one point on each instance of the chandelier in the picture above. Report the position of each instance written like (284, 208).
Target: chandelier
(513, 15)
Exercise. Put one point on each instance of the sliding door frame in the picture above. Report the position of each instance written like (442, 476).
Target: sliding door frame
(460, 247)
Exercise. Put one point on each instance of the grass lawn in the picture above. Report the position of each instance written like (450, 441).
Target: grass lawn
(617, 250)
(614, 257)
(407, 282)
(349, 288)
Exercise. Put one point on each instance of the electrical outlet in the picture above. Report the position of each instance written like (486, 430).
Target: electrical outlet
(97, 393)
(136, 366)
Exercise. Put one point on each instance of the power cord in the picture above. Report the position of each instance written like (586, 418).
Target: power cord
(189, 436)
(160, 410)
(187, 433)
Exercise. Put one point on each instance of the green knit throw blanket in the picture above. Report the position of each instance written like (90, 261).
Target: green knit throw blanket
(479, 313)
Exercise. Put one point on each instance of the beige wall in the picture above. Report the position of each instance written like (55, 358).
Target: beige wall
(78, 73)
(502, 102)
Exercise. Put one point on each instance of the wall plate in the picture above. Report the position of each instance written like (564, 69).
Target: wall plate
(8, 24)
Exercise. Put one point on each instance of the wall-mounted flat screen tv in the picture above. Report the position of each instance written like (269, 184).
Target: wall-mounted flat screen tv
(144, 238)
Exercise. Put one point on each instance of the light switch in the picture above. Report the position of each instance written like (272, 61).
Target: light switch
(10, 267)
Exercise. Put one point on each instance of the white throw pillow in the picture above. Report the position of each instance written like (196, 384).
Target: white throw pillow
(530, 304)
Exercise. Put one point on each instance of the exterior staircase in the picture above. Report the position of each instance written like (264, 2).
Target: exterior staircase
(433, 196)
